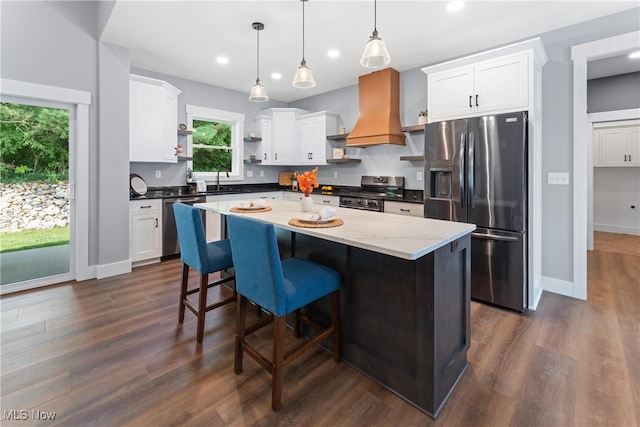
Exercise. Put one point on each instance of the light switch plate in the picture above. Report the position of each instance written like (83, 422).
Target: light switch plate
(558, 178)
(419, 177)
(261, 173)
(158, 174)
(249, 174)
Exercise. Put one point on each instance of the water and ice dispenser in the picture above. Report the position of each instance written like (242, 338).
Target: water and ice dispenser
(440, 179)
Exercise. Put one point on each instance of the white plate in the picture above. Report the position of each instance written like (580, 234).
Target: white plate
(316, 221)
(252, 208)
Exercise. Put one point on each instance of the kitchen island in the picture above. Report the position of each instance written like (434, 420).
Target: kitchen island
(405, 296)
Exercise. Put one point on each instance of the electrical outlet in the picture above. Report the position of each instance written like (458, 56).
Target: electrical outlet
(261, 173)
(158, 174)
(249, 174)
(558, 178)
(335, 174)
(419, 177)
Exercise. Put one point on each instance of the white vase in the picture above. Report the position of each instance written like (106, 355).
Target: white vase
(422, 120)
(306, 203)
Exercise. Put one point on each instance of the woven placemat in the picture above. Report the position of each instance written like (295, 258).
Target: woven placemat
(245, 210)
(333, 223)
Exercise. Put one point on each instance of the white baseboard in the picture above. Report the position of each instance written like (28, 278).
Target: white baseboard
(537, 294)
(557, 286)
(620, 229)
(114, 269)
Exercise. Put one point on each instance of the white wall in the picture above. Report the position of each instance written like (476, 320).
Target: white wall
(614, 191)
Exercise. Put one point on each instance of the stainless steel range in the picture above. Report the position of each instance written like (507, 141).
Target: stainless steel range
(372, 193)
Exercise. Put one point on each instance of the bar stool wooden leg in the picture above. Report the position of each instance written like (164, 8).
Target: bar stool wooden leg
(183, 291)
(202, 305)
(241, 321)
(335, 320)
(278, 362)
(296, 323)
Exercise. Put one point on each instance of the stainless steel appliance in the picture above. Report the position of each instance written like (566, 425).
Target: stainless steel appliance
(170, 245)
(476, 172)
(372, 192)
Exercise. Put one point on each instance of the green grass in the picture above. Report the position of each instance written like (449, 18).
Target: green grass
(29, 239)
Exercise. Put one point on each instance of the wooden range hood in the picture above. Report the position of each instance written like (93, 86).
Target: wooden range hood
(379, 111)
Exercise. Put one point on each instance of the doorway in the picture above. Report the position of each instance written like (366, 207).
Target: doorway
(75, 257)
(580, 55)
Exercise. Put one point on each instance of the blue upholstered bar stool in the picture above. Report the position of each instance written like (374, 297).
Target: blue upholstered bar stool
(280, 287)
(203, 257)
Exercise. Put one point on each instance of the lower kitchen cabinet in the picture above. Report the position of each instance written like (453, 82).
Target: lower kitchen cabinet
(146, 229)
(318, 199)
(403, 208)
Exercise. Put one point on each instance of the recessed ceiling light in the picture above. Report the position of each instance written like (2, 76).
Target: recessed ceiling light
(333, 53)
(634, 55)
(222, 60)
(455, 6)
(276, 76)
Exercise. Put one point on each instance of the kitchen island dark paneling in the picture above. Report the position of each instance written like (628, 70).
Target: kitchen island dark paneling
(405, 295)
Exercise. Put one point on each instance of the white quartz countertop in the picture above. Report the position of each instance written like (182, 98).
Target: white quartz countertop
(396, 235)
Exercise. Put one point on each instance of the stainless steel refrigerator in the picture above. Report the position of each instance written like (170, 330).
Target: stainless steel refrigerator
(476, 172)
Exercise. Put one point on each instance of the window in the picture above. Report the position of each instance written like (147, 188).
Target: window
(216, 143)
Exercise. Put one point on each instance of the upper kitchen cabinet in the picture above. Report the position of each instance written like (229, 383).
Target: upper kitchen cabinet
(311, 143)
(262, 146)
(283, 135)
(153, 115)
(617, 143)
(498, 81)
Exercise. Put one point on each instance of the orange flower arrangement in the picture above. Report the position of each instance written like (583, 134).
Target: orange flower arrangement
(308, 181)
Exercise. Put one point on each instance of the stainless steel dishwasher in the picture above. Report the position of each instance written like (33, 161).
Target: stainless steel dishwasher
(170, 245)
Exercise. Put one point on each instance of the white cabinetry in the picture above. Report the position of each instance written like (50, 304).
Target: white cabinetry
(617, 143)
(153, 115)
(146, 229)
(262, 148)
(325, 200)
(403, 208)
(283, 136)
(498, 81)
(311, 143)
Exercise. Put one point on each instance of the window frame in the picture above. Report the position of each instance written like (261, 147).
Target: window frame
(236, 120)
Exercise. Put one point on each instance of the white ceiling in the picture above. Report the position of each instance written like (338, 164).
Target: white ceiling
(183, 38)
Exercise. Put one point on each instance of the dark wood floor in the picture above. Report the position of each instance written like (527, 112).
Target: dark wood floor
(110, 353)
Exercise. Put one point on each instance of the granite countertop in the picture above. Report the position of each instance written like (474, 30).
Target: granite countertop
(411, 196)
(400, 236)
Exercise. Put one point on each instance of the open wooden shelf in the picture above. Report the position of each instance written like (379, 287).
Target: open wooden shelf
(252, 139)
(338, 137)
(254, 161)
(412, 158)
(413, 129)
(185, 132)
(343, 160)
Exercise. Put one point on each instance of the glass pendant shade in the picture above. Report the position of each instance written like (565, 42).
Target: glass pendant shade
(258, 93)
(304, 77)
(375, 53)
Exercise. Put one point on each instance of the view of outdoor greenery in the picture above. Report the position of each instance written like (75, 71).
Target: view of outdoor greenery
(211, 146)
(34, 143)
(34, 170)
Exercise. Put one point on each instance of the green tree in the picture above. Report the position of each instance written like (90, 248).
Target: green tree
(211, 146)
(33, 141)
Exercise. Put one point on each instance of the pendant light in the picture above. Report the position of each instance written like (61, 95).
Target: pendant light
(258, 92)
(303, 78)
(375, 53)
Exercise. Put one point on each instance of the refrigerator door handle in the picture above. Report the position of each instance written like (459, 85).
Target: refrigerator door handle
(492, 237)
(472, 171)
(463, 195)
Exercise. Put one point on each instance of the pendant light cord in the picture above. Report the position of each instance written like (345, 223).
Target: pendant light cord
(303, 1)
(375, 16)
(258, 57)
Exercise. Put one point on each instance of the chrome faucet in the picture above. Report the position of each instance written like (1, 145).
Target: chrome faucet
(218, 178)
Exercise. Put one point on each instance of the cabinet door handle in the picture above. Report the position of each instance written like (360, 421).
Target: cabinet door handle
(276, 156)
(476, 100)
(405, 210)
(145, 207)
(625, 157)
(470, 98)
(265, 156)
(156, 222)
